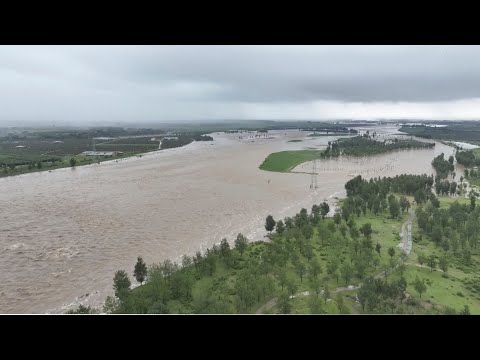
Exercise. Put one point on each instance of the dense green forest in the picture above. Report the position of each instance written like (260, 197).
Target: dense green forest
(312, 264)
(367, 145)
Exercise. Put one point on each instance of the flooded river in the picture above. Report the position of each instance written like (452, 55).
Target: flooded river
(64, 233)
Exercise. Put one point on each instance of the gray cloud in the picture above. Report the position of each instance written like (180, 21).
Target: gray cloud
(160, 83)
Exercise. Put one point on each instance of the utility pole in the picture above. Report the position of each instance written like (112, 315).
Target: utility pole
(313, 183)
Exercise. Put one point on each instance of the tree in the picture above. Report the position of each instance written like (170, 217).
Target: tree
(435, 202)
(269, 223)
(301, 269)
(324, 209)
(443, 264)
(453, 187)
(224, 248)
(346, 271)
(121, 284)
(465, 311)
(337, 218)
(39, 165)
(343, 230)
(420, 286)
(280, 227)
(378, 247)
(391, 251)
(450, 159)
(366, 230)
(432, 262)
(73, 162)
(110, 305)
(307, 231)
(315, 268)
(288, 223)
(140, 271)
(402, 288)
(437, 233)
(315, 305)
(241, 243)
(326, 293)
(332, 266)
(394, 208)
(282, 277)
(404, 203)
(291, 287)
(83, 310)
(284, 305)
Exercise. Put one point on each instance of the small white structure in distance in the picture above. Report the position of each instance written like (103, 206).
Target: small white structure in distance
(101, 153)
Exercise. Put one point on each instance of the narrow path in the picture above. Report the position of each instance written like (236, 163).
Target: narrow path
(406, 245)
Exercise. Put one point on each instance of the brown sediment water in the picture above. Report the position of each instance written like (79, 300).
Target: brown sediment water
(64, 233)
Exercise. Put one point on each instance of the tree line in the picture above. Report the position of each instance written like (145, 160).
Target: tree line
(367, 145)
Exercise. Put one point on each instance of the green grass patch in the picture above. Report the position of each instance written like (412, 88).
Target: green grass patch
(285, 161)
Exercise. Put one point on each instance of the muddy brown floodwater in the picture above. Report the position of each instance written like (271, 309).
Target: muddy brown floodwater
(64, 233)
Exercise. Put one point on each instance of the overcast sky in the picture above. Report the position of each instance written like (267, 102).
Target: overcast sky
(86, 84)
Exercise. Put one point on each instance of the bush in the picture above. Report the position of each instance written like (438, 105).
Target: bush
(460, 294)
(411, 301)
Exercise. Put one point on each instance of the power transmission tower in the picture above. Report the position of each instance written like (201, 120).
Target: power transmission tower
(313, 183)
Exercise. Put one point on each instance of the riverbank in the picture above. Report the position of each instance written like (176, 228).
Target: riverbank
(314, 265)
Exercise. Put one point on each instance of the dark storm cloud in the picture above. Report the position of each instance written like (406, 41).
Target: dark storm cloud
(154, 83)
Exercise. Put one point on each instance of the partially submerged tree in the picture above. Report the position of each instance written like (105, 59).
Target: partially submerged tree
(269, 223)
(140, 271)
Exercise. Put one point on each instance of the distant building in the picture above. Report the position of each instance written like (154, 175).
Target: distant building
(20, 146)
(58, 142)
(170, 138)
(99, 153)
